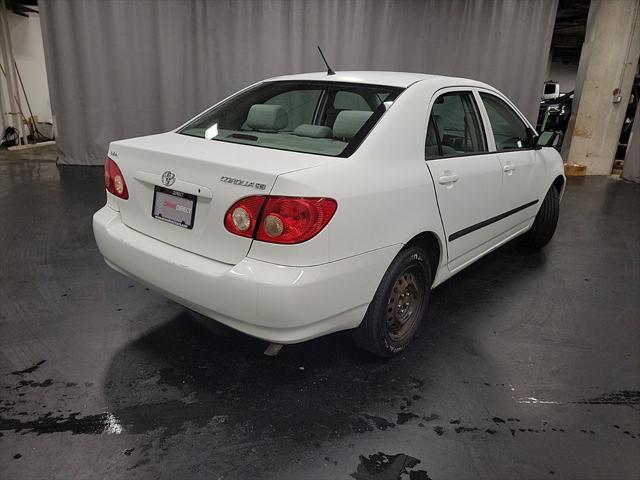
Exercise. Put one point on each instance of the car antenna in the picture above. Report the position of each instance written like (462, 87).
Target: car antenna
(329, 69)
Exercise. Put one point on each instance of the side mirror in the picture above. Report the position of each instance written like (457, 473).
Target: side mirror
(547, 139)
(534, 139)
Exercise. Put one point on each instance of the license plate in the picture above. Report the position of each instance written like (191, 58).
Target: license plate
(175, 207)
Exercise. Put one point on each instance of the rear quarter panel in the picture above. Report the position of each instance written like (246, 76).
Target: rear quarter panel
(384, 191)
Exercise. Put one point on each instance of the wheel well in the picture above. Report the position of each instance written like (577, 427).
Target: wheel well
(559, 183)
(430, 243)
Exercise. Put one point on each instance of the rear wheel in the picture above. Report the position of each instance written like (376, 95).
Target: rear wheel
(544, 226)
(398, 306)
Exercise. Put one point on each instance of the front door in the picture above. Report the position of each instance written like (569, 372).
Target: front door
(522, 172)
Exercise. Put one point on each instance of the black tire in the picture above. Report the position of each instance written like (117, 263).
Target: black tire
(544, 226)
(389, 325)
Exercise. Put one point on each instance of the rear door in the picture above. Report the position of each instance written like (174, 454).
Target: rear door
(522, 171)
(466, 175)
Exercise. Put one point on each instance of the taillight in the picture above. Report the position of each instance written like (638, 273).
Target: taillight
(294, 219)
(242, 217)
(114, 180)
(282, 219)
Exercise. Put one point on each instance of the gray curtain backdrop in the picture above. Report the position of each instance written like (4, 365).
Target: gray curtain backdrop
(121, 69)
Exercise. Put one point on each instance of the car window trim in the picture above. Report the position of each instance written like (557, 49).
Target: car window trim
(486, 124)
(475, 154)
(474, 101)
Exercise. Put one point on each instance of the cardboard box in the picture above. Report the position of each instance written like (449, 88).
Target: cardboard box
(575, 170)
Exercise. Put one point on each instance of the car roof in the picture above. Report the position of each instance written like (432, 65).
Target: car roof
(391, 79)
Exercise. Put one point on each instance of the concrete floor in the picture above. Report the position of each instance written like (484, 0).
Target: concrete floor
(528, 365)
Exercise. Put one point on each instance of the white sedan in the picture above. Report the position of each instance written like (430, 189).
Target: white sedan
(307, 204)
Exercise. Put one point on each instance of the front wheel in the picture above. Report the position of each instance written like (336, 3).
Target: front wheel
(544, 226)
(398, 306)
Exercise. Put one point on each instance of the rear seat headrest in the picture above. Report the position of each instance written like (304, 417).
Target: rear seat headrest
(349, 122)
(314, 131)
(270, 118)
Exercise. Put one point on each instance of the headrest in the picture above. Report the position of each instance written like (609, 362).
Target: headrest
(349, 122)
(314, 131)
(269, 118)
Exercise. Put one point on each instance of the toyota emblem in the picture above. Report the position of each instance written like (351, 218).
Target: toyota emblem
(168, 178)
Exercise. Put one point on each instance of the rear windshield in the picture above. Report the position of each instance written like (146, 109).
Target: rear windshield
(326, 118)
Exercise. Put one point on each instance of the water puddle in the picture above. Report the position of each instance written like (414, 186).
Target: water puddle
(381, 466)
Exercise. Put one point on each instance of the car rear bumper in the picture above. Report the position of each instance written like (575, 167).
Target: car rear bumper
(277, 303)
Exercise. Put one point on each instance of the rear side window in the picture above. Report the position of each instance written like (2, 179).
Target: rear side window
(509, 131)
(456, 124)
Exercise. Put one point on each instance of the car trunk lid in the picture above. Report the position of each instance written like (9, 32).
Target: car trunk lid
(216, 173)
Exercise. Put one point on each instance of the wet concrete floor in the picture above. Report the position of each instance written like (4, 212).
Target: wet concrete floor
(528, 366)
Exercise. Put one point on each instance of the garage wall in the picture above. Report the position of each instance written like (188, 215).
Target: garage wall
(122, 69)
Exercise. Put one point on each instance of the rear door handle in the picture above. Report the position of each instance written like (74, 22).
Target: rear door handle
(448, 178)
(508, 168)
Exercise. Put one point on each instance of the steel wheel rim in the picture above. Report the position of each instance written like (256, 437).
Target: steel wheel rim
(405, 303)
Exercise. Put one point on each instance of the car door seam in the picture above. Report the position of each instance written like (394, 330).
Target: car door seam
(435, 194)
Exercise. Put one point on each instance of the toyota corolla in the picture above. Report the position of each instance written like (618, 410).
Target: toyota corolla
(307, 204)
